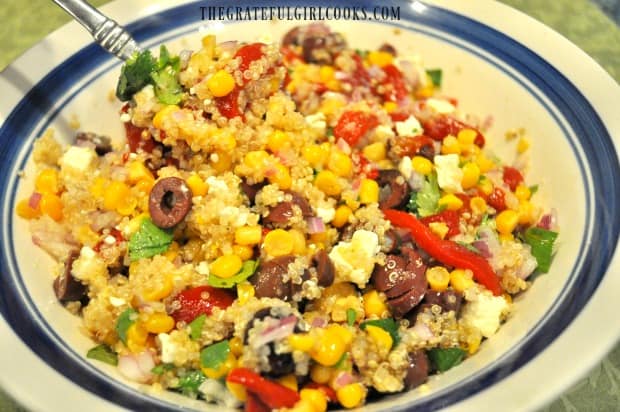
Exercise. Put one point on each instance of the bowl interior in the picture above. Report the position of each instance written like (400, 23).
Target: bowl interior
(484, 83)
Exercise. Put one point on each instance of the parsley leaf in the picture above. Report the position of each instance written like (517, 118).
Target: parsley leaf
(167, 88)
(124, 321)
(435, 75)
(135, 74)
(214, 355)
(247, 270)
(195, 326)
(541, 241)
(351, 316)
(104, 354)
(161, 368)
(389, 325)
(149, 241)
(190, 382)
(446, 358)
(427, 198)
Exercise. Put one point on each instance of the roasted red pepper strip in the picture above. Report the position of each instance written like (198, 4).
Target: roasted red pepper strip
(446, 251)
(270, 393)
(253, 404)
(200, 300)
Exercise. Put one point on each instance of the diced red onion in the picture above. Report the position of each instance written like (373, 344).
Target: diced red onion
(137, 367)
(483, 248)
(280, 331)
(549, 220)
(34, 200)
(489, 239)
(343, 145)
(102, 220)
(315, 225)
(52, 237)
(487, 122)
(343, 378)
(422, 331)
(410, 74)
(319, 322)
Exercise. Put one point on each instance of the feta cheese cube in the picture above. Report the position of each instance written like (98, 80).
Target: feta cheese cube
(317, 122)
(326, 213)
(449, 174)
(405, 167)
(168, 348)
(355, 260)
(485, 312)
(78, 160)
(409, 127)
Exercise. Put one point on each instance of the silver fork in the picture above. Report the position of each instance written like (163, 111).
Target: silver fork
(106, 32)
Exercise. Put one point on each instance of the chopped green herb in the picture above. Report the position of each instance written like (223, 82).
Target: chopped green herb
(125, 320)
(161, 368)
(445, 358)
(167, 88)
(361, 53)
(195, 326)
(166, 60)
(435, 75)
(428, 197)
(351, 316)
(343, 363)
(214, 355)
(135, 74)
(329, 131)
(541, 241)
(190, 382)
(104, 354)
(247, 270)
(389, 325)
(149, 241)
(533, 189)
(469, 247)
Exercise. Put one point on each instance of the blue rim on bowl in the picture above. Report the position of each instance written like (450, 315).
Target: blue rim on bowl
(580, 124)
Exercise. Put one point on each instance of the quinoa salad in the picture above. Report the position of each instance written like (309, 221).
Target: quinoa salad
(297, 225)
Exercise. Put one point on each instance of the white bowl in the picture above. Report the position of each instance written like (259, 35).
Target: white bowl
(495, 63)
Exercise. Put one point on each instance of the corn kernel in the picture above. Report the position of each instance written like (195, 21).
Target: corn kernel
(375, 151)
(526, 212)
(115, 193)
(390, 106)
(473, 342)
(340, 163)
(374, 305)
(243, 251)
(145, 185)
(245, 292)
(248, 235)
(341, 217)
(127, 205)
(441, 229)
(47, 181)
(224, 140)
(278, 242)
(506, 237)
(162, 290)
(289, 381)
(523, 145)
(342, 332)
(471, 175)
(223, 369)
(299, 241)
(302, 405)
(137, 171)
(257, 159)
(466, 137)
(316, 397)
(86, 236)
(320, 373)
(301, 341)
(159, 322)
(221, 83)
(379, 58)
(316, 154)
(236, 346)
(450, 202)
(208, 43)
(484, 163)
(328, 183)
(330, 105)
(450, 145)
(506, 221)
(281, 177)
(51, 205)
(318, 237)
(486, 186)
(160, 116)
(226, 266)
(522, 192)
(329, 347)
(461, 280)
(478, 205)
(98, 187)
(24, 210)
(438, 278)
(198, 186)
(380, 336)
(351, 395)
(326, 73)
(136, 337)
(221, 161)
(238, 390)
(422, 165)
(369, 191)
(278, 140)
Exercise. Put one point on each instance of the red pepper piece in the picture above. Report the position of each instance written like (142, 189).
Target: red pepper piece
(449, 217)
(440, 127)
(497, 199)
(512, 177)
(327, 391)
(397, 89)
(272, 394)
(135, 140)
(353, 125)
(446, 251)
(253, 404)
(364, 166)
(202, 299)
(399, 116)
(229, 105)
(248, 54)
(413, 145)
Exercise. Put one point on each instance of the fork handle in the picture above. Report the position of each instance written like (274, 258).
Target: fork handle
(106, 32)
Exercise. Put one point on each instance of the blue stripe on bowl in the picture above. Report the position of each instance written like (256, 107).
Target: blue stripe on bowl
(575, 110)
